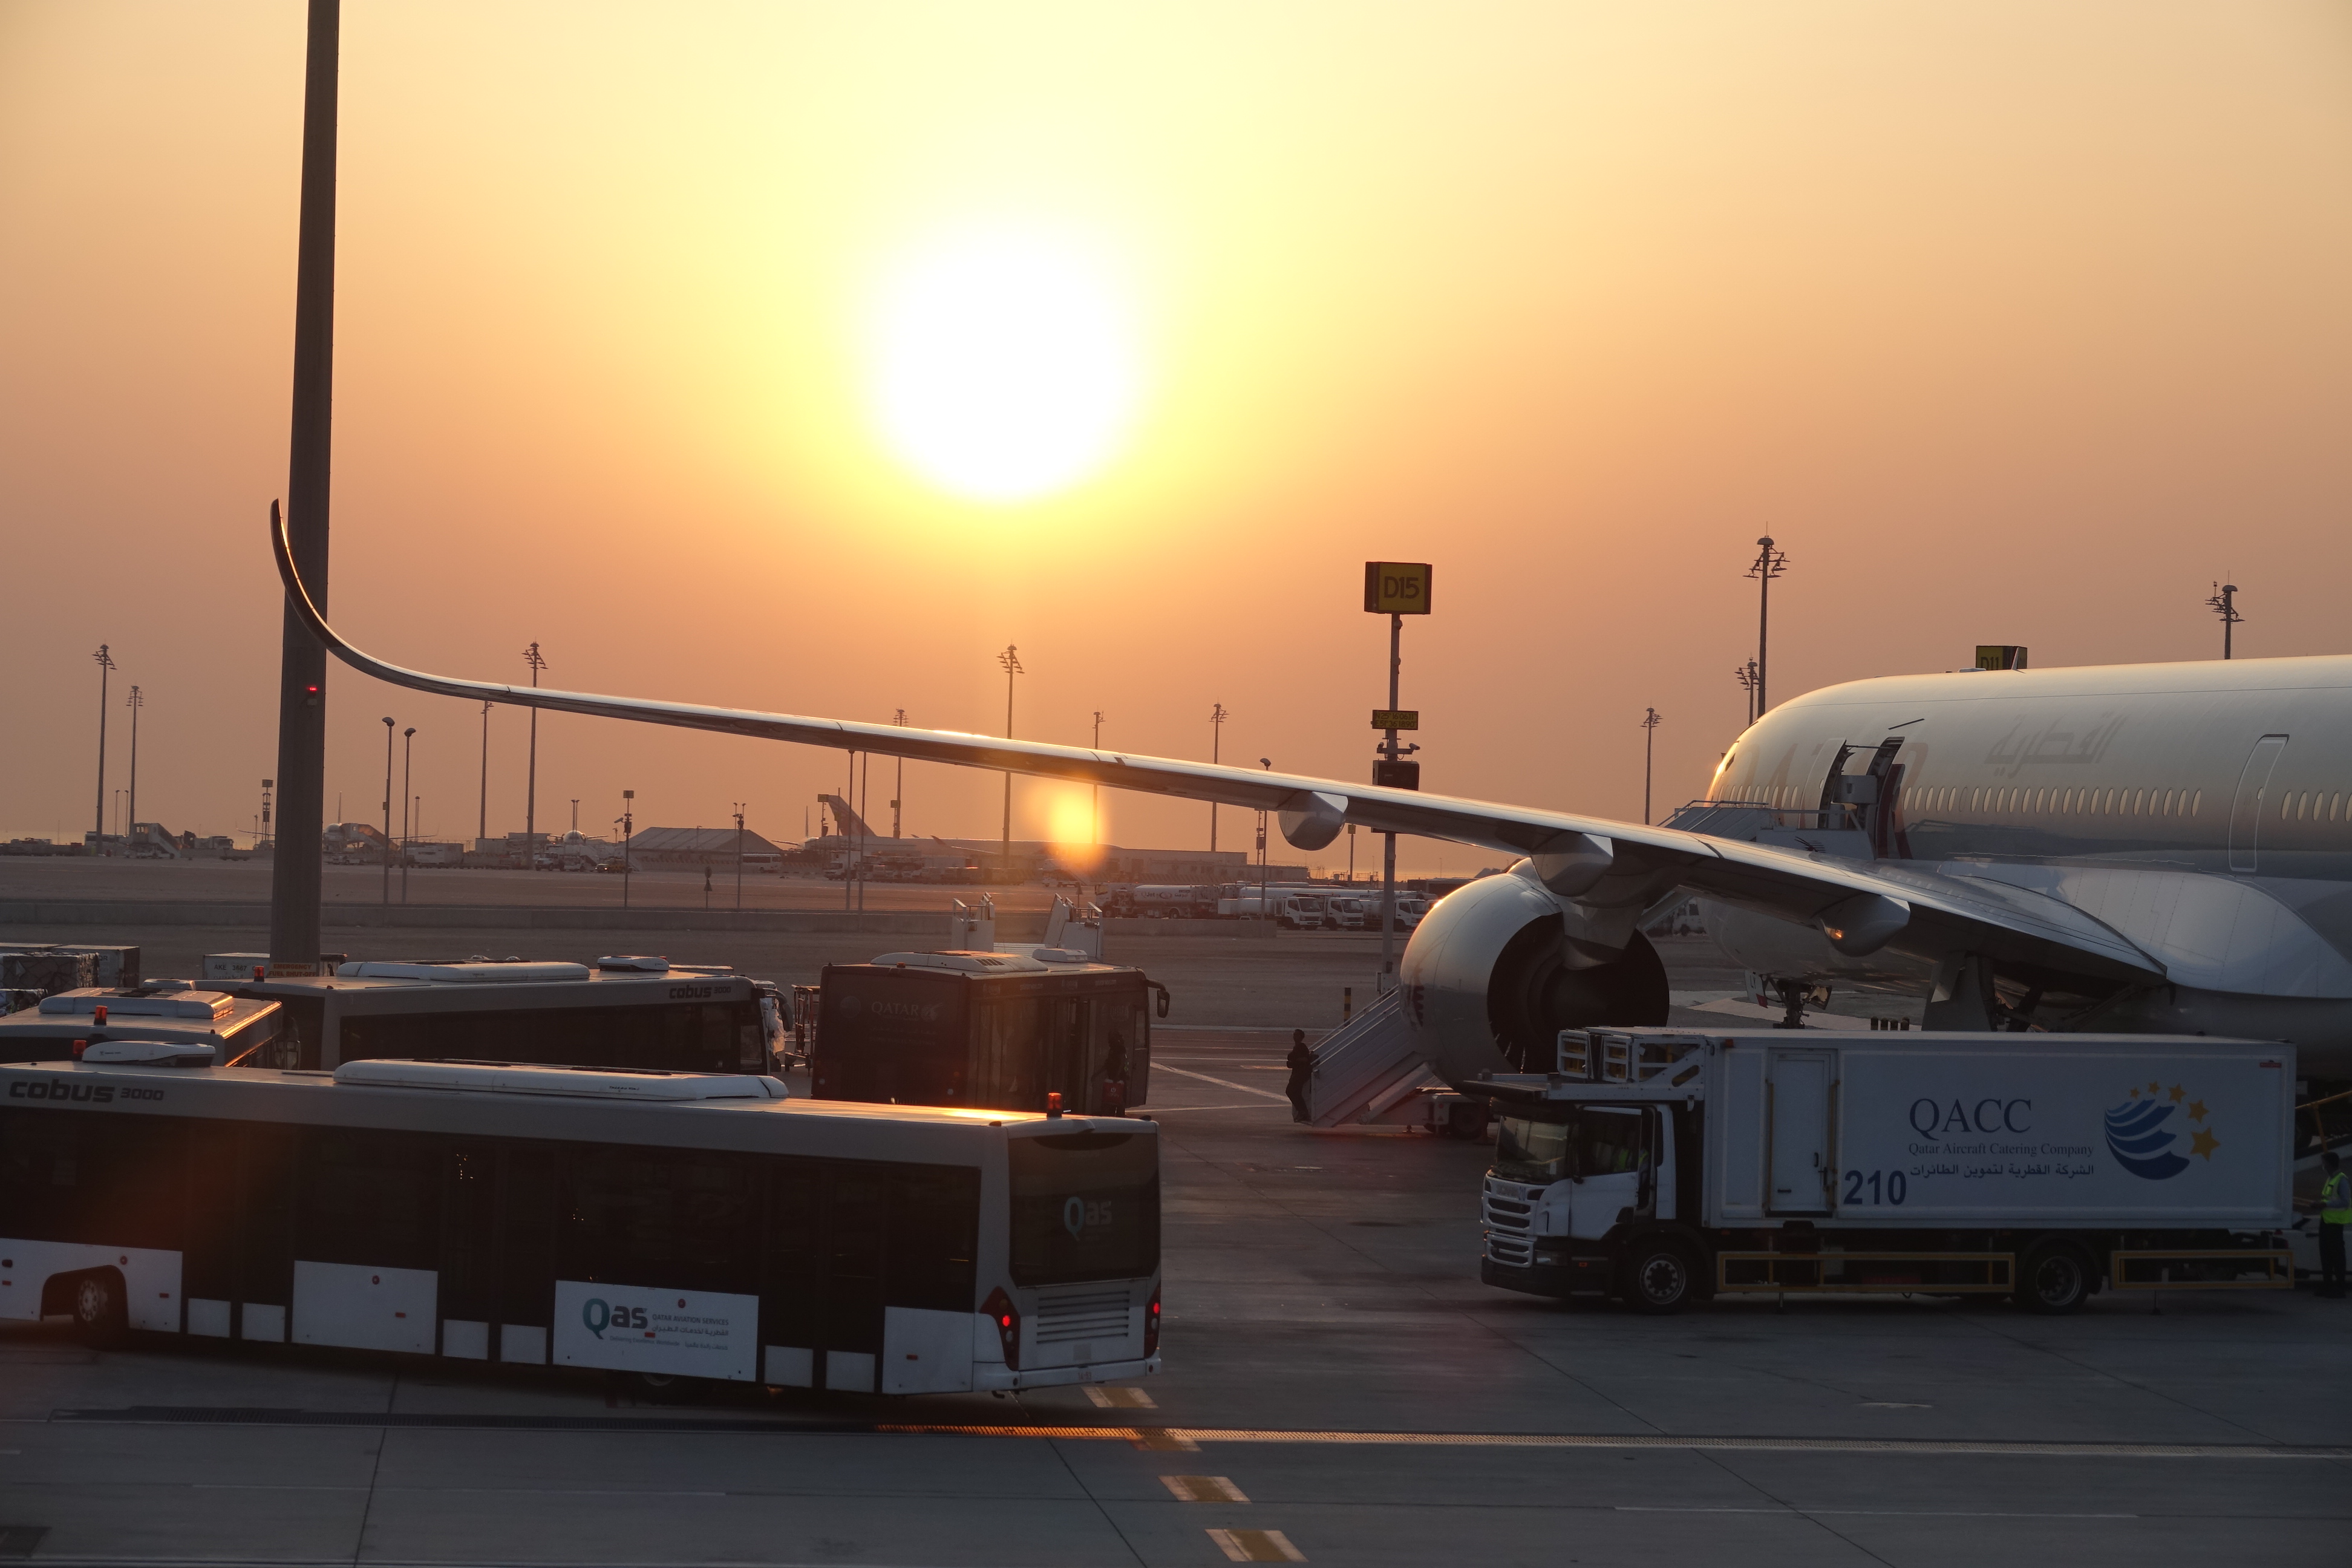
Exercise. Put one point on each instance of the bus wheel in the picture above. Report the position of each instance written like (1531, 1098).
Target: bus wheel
(2055, 1278)
(99, 1314)
(1660, 1279)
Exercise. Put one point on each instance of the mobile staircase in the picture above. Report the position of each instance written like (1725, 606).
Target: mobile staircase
(1371, 1071)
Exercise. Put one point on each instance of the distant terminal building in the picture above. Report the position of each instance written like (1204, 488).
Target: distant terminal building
(882, 857)
(658, 846)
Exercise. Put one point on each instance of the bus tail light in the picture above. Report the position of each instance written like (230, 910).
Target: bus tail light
(1151, 1324)
(1053, 1104)
(1008, 1324)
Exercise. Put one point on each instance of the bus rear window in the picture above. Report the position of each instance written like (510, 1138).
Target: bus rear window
(1086, 1205)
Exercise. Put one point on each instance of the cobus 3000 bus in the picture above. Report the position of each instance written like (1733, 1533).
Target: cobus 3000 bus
(662, 1224)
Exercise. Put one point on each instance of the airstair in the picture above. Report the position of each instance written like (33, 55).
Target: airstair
(1370, 1070)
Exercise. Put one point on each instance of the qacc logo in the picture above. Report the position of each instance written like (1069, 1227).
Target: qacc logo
(2141, 1131)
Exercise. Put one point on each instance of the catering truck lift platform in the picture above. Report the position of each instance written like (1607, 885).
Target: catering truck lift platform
(1665, 1166)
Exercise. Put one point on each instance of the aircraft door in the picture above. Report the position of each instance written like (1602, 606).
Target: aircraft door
(2246, 810)
(1797, 1101)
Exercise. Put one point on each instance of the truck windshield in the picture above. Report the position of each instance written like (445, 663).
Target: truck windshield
(1591, 1140)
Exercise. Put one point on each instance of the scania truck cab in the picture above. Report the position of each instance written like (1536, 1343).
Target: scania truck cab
(1662, 1166)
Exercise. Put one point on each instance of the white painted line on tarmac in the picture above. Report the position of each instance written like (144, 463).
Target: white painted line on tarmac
(1866, 1512)
(1118, 1398)
(1225, 1083)
(1245, 1105)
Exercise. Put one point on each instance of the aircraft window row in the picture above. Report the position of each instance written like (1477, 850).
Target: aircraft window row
(2022, 801)
(2314, 806)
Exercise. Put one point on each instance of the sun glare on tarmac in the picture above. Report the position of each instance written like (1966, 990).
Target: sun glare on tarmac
(1003, 363)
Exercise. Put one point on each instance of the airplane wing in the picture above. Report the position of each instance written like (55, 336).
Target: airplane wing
(1861, 905)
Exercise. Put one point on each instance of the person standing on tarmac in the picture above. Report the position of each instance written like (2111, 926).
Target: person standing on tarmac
(2335, 1214)
(1301, 1063)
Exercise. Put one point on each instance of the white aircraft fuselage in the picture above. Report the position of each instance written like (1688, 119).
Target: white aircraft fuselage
(2202, 812)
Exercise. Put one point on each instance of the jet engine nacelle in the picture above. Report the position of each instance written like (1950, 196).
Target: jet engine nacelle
(1497, 969)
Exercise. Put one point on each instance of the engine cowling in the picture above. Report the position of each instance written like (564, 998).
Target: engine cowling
(1496, 969)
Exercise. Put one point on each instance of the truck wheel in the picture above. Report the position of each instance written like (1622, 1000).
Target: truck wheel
(98, 1311)
(1660, 1279)
(2055, 1278)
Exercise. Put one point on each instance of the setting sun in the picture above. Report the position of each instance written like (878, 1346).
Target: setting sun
(1003, 365)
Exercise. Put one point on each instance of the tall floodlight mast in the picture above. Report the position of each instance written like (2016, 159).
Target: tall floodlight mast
(531, 657)
(2224, 604)
(1217, 716)
(106, 667)
(1650, 723)
(1769, 563)
(1011, 659)
(296, 869)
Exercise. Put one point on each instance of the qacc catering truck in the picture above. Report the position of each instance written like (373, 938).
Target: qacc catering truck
(1662, 1165)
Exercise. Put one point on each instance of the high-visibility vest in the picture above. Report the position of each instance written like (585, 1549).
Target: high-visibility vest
(2335, 1200)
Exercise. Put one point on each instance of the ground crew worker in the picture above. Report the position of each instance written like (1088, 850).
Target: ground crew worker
(2335, 1214)
(1115, 1074)
(1301, 1063)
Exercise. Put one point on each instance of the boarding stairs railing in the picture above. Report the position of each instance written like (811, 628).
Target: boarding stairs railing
(1369, 1068)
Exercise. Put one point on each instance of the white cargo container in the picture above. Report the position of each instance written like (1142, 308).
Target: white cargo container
(1665, 1165)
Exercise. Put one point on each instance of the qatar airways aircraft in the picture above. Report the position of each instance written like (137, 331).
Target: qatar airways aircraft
(2162, 846)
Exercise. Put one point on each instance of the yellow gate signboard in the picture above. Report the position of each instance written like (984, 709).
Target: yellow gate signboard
(1396, 588)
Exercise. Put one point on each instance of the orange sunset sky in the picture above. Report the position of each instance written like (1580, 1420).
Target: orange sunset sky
(2015, 322)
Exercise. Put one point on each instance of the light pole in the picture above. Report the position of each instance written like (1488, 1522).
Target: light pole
(1351, 853)
(105, 667)
(898, 790)
(1217, 716)
(387, 809)
(1011, 659)
(1098, 807)
(1746, 675)
(267, 787)
(2224, 604)
(628, 825)
(482, 830)
(531, 656)
(407, 774)
(1263, 875)
(739, 853)
(134, 702)
(1650, 723)
(1769, 563)
(1396, 589)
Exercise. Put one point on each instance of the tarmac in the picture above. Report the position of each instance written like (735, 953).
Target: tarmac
(1338, 1388)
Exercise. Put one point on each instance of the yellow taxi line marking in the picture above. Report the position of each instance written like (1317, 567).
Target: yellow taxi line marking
(1202, 1488)
(1225, 1083)
(1256, 1546)
(1118, 1398)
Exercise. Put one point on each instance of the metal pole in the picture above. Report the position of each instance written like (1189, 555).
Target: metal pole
(1217, 716)
(387, 810)
(531, 789)
(407, 776)
(105, 669)
(898, 790)
(296, 871)
(1011, 659)
(1388, 848)
(865, 777)
(483, 830)
(1650, 723)
(1769, 563)
(628, 826)
(739, 853)
(134, 702)
(1098, 789)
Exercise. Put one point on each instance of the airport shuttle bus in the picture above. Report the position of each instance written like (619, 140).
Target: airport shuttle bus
(984, 1029)
(625, 1012)
(236, 1031)
(664, 1224)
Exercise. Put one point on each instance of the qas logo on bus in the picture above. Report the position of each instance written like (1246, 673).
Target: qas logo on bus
(596, 1316)
(2142, 1133)
(1078, 1216)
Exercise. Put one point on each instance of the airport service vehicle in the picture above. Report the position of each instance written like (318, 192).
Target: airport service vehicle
(2131, 848)
(669, 1224)
(625, 1012)
(991, 1029)
(1296, 911)
(1345, 913)
(234, 1029)
(1161, 901)
(1664, 1166)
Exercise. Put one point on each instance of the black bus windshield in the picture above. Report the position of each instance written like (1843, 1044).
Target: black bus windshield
(1086, 1205)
